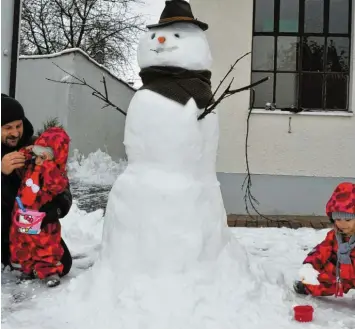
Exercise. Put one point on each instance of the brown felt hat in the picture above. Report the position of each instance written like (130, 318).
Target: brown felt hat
(178, 11)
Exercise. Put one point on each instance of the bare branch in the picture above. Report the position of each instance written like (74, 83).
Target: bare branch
(27, 16)
(95, 92)
(227, 92)
(83, 23)
(106, 30)
(104, 82)
(252, 85)
(229, 72)
(249, 198)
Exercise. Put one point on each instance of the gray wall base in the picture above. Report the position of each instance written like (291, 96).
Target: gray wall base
(280, 195)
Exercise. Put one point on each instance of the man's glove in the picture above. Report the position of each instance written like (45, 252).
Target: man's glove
(53, 213)
(308, 275)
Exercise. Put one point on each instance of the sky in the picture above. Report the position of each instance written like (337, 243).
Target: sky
(152, 10)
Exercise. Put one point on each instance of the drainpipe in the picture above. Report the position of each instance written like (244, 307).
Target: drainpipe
(14, 47)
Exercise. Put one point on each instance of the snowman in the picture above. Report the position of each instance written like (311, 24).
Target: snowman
(165, 218)
(166, 209)
(167, 257)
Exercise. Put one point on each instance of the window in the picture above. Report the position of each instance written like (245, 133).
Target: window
(304, 47)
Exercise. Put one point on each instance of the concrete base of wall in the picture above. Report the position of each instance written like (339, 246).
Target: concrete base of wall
(280, 195)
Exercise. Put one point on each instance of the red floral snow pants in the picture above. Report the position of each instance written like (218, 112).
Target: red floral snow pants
(39, 253)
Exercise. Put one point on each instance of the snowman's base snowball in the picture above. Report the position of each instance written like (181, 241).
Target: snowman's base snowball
(223, 294)
(208, 295)
(161, 270)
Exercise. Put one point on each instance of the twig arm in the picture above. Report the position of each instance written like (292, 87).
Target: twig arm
(228, 93)
(254, 84)
(228, 73)
(95, 92)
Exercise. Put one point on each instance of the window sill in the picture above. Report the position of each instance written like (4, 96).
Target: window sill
(316, 113)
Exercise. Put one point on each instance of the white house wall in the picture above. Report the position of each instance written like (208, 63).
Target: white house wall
(319, 147)
(89, 126)
(41, 98)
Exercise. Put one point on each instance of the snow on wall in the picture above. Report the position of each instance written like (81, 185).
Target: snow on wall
(89, 126)
(75, 50)
(318, 145)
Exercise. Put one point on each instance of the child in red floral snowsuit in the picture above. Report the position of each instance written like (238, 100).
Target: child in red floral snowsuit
(43, 179)
(329, 268)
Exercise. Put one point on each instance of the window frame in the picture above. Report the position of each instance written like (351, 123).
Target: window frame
(300, 35)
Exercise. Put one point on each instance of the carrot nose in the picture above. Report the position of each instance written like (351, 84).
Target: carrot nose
(161, 39)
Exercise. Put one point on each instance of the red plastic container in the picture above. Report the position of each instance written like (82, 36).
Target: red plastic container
(303, 313)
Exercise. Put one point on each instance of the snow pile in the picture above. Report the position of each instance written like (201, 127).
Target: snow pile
(97, 168)
(82, 231)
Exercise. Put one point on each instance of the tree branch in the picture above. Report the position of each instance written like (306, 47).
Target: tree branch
(228, 91)
(95, 92)
(108, 27)
(104, 82)
(83, 22)
(247, 184)
(27, 15)
(41, 27)
(227, 74)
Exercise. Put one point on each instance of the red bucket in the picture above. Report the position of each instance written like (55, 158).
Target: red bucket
(303, 313)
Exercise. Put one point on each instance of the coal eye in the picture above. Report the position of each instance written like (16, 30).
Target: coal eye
(177, 35)
(153, 36)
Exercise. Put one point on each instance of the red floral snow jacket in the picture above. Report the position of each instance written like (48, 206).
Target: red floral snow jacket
(40, 184)
(324, 256)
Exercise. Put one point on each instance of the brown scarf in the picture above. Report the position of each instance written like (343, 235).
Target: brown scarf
(179, 84)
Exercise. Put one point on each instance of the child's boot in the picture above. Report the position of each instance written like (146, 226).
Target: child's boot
(52, 280)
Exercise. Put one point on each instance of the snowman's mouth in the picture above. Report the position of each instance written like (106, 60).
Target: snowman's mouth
(161, 50)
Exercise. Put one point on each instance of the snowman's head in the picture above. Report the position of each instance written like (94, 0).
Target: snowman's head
(180, 45)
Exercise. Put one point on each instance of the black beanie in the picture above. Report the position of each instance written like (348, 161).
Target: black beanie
(11, 110)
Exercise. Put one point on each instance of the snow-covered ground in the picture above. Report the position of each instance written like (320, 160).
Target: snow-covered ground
(277, 253)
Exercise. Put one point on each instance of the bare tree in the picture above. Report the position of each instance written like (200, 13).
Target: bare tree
(106, 29)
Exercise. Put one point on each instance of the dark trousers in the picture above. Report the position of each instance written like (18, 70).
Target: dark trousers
(66, 260)
(5, 253)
